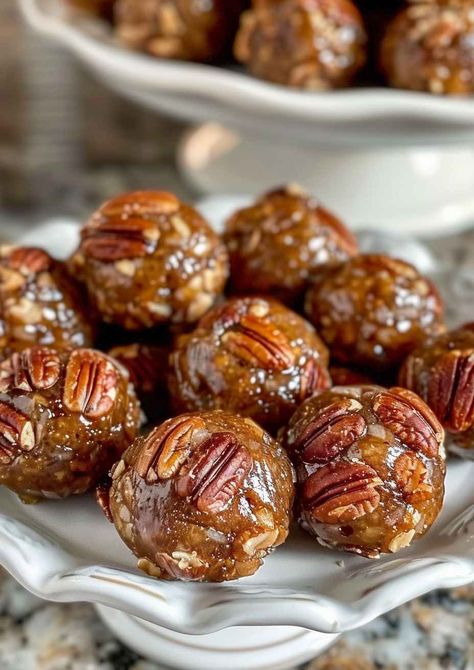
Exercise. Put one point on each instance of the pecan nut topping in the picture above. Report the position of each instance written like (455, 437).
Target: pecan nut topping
(341, 492)
(260, 344)
(16, 432)
(313, 378)
(451, 389)
(332, 432)
(215, 473)
(36, 368)
(90, 385)
(411, 475)
(167, 448)
(29, 260)
(410, 419)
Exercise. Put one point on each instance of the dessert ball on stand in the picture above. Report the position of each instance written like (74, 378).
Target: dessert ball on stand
(39, 303)
(312, 44)
(205, 497)
(180, 29)
(148, 259)
(65, 418)
(276, 244)
(252, 356)
(370, 467)
(429, 46)
(441, 371)
(373, 310)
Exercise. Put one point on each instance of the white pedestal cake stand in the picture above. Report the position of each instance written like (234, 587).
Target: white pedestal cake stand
(386, 158)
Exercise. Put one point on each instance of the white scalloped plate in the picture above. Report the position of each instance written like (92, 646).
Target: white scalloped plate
(67, 551)
(201, 92)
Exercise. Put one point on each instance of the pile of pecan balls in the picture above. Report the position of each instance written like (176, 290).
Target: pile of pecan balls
(423, 45)
(283, 375)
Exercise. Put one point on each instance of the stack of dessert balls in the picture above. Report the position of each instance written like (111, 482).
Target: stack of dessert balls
(212, 388)
(421, 45)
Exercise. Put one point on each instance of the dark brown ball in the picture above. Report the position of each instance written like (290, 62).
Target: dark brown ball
(65, 418)
(147, 366)
(179, 29)
(370, 464)
(148, 259)
(429, 46)
(205, 497)
(441, 371)
(276, 244)
(39, 302)
(312, 44)
(252, 356)
(373, 310)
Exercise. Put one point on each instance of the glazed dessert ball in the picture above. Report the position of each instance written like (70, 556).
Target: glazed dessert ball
(312, 44)
(252, 356)
(182, 29)
(429, 46)
(65, 418)
(147, 366)
(373, 310)
(146, 258)
(441, 371)
(370, 466)
(277, 243)
(39, 302)
(205, 497)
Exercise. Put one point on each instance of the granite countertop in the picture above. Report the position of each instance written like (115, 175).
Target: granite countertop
(66, 144)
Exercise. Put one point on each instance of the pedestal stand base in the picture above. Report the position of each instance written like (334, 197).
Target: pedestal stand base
(240, 648)
(423, 190)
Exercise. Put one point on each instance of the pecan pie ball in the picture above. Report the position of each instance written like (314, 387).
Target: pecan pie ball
(252, 356)
(429, 46)
(373, 310)
(147, 366)
(370, 465)
(277, 243)
(65, 418)
(180, 29)
(147, 258)
(441, 371)
(39, 302)
(311, 44)
(204, 497)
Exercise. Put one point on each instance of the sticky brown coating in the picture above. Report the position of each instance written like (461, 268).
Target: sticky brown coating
(429, 46)
(252, 356)
(147, 259)
(179, 29)
(441, 371)
(205, 497)
(39, 302)
(373, 310)
(311, 44)
(147, 366)
(65, 418)
(370, 464)
(276, 244)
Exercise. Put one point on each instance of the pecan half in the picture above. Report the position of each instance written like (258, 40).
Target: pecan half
(341, 492)
(115, 240)
(313, 377)
(90, 385)
(35, 368)
(332, 432)
(450, 390)
(29, 260)
(16, 432)
(167, 448)
(410, 476)
(406, 415)
(215, 473)
(259, 344)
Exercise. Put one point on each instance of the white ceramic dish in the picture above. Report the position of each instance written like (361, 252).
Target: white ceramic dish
(202, 93)
(67, 551)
